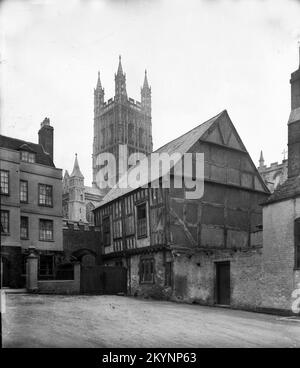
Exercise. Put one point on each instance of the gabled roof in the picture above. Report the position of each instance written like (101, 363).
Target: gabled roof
(213, 130)
(42, 157)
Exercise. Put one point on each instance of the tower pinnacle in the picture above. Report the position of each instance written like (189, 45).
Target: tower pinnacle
(145, 85)
(261, 159)
(99, 86)
(120, 69)
(76, 170)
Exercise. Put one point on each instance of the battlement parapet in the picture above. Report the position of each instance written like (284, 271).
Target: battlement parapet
(78, 225)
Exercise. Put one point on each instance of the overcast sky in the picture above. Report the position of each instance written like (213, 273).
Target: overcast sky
(201, 56)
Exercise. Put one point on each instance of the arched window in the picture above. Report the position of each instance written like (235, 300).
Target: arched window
(89, 213)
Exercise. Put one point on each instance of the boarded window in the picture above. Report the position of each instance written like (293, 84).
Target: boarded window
(106, 231)
(141, 220)
(147, 270)
(297, 243)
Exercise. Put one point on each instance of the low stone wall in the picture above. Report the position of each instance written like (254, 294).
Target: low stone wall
(61, 286)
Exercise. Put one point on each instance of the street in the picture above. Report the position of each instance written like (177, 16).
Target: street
(116, 321)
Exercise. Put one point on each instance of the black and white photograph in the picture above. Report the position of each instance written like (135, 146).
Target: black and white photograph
(150, 176)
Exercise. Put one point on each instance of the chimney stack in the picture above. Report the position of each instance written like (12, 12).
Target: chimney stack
(46, 136)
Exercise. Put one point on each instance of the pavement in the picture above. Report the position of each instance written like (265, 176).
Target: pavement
(106, 321)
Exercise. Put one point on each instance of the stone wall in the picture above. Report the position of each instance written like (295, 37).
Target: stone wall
(61, 286)
(279, 276)
(77, 239)
(156, 290)
(195, 277)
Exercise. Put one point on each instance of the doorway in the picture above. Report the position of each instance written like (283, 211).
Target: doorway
(223, 283)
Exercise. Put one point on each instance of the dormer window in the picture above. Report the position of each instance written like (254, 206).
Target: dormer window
(27, 156)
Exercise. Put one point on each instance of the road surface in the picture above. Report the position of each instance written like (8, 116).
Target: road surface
(116, 321)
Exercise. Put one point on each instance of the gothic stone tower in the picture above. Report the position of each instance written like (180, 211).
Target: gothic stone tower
(76, 203)
(121, 120)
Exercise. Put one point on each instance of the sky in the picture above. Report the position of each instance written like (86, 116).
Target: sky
(201, 56)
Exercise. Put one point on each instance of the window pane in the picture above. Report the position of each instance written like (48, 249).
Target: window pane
(141, 220)
(46, 230)
(45, 195)
(24, 228)
(27, 156)
(23, 191)
(4, 222)
(4, 184)
(147, 270)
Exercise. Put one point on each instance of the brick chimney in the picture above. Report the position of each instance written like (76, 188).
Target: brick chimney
(294, 126)
(46, 136)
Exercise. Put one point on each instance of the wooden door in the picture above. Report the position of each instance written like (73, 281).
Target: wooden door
(223, 283)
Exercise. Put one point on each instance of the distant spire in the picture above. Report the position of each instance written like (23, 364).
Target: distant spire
(120, 69)
(261, 159)
(66, 174)
(146, 85)
(99, 86)
(76, 170)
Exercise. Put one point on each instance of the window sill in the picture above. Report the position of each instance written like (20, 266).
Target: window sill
(5, 234)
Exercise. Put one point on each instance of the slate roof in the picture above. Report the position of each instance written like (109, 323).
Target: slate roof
(180, 145)
(42, 157)
(289, 189)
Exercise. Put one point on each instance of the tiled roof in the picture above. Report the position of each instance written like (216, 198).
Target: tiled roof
(180, 145)
(289, 189)
(42, 157)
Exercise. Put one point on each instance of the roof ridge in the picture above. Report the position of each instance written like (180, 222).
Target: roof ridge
(182, 135)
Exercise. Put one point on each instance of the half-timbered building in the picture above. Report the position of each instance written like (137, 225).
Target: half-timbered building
(204, 250)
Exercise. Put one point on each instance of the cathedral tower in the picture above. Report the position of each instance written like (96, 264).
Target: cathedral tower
(294, 125)
(121, 120)
(76, 203)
